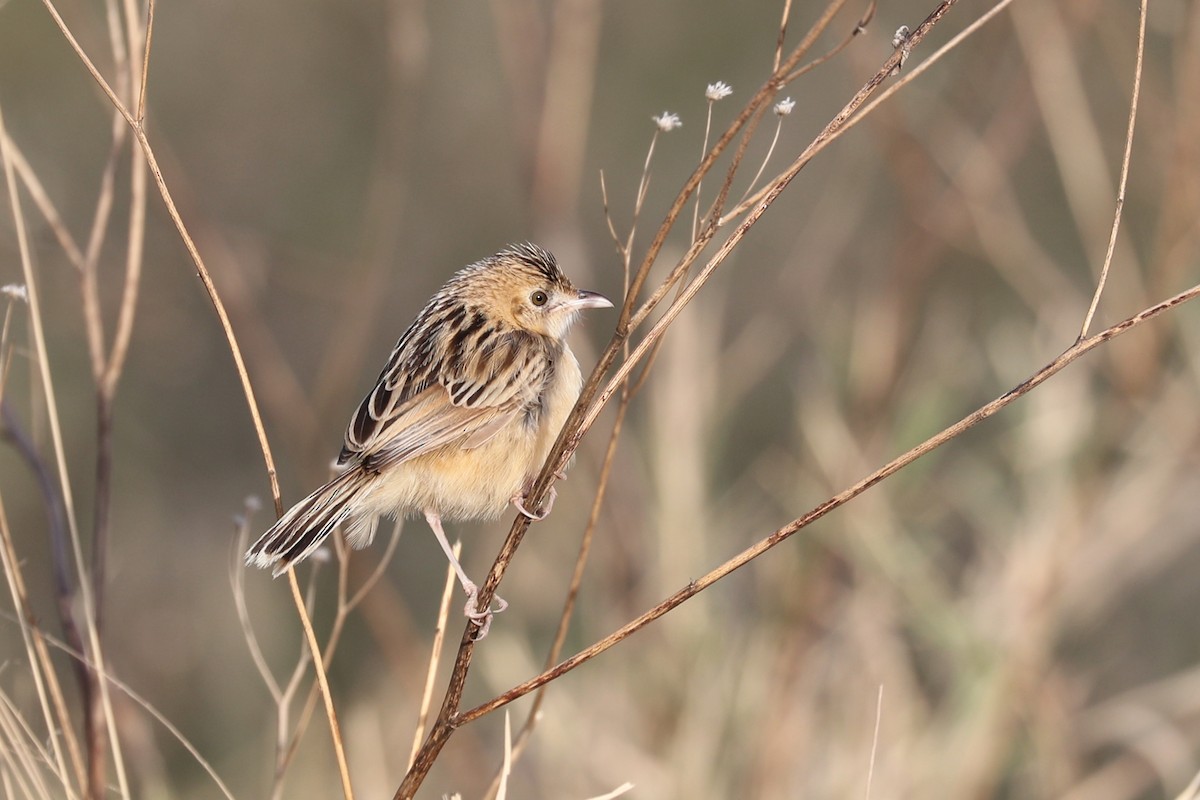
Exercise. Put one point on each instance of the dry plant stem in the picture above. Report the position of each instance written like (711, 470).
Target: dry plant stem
(319, 667)
(44, 681)
(231, 339)
(875, 740)
(345, 606)
(189, 244)
(1054, 367)
(887, 93)
(93, 723)
(1116, 223)
(23, 752)
(699, 184)
(699, 242)
(141, 107)
(831, 131)
(237, 580)
(755, 110)
(506, 765)
(60, 561)
(56, 523)
(45, 205)
(585, 411)
(787, 10)
(107, 367)
(861, 27)
(435, 653)
(564, 620)
(755, 106)
(96, 761)
(145, 704)
(285, 742)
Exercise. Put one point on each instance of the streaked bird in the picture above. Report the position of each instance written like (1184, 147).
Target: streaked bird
(461, 418)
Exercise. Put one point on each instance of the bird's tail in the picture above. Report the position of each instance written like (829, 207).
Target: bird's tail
(307, 524)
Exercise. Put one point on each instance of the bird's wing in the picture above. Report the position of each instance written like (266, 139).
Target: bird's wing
(462, 395)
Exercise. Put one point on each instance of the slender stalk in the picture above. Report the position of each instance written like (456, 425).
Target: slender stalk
(588, 406)
(1072, 353)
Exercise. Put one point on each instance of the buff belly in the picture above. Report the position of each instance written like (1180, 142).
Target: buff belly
(477, 483)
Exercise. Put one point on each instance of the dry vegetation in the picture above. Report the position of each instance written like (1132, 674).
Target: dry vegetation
(902, 276)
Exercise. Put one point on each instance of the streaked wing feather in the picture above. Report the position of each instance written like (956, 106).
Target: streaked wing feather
(430, 398)
(427, 423)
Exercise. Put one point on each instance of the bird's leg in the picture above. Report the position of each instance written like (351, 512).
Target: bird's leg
(518, 501)
(481, 618)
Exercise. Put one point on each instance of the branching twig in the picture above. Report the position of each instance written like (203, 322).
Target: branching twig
(319, 666)
(1116, 223)
(235, 351)
(586, 409)
(435, 654)
(96, 761)
(695, 587)
(44, 677)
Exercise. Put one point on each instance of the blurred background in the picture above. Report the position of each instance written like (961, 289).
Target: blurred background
(1015, 615)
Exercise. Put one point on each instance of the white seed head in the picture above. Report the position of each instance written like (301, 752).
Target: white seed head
(718, 90)
(15, 291)
(901, 36)
(667, 121)
(784, 107)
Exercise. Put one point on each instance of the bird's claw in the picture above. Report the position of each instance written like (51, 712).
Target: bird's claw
(518, 502)
(483, 619)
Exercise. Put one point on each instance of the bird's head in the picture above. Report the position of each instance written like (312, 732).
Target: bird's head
(523, 286)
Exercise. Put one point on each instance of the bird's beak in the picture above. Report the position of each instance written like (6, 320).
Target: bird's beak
(588, 299)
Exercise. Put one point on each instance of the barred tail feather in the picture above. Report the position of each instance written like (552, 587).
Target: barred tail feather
(307, 524)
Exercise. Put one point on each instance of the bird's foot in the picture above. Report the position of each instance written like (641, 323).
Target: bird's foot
(518, 501)
(483, 619)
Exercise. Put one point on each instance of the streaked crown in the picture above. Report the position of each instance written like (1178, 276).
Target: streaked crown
(522, 286)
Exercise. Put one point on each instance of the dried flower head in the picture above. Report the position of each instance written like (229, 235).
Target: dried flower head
(718, 90)
(784, 107)
(15, 291)
(667, 121)
(900, 41)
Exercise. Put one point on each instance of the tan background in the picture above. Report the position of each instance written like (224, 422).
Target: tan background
(1025, 596)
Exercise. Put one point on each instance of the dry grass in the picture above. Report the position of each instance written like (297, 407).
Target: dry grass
(1003, 614)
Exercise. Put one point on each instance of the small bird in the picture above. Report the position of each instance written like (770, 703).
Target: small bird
(461, 418)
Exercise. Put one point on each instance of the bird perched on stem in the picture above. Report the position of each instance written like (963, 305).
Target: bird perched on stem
(461, 418)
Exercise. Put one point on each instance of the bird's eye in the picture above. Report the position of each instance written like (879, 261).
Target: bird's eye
(539, 298)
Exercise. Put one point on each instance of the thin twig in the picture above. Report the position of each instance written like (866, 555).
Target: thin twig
(908, 77)
(43, 359)
(1054, 367)
(859, 28)
(30, 634)
(345, 606)
(875, 741)
(237, 580)
(149, 708)
(235, 351)
(568, 610)
(585, 411)
(783, 23)
(45, 205)
(141, 106)
(190, 245)
(1116, 223)
(23, 749)
(435, 653)
(319, 667)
